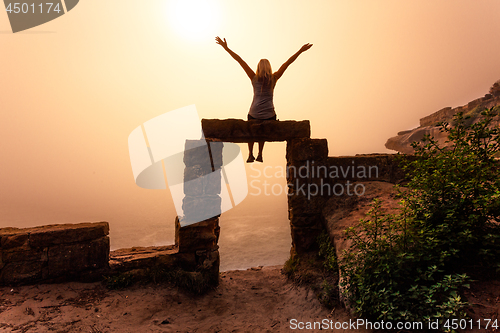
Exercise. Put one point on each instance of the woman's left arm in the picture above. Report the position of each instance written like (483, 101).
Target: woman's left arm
(283, 67)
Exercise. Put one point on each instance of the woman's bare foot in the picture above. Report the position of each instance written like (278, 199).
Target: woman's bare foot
(259, 158)
(251, 159)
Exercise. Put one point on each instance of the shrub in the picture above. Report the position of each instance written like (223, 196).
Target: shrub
(411, 266)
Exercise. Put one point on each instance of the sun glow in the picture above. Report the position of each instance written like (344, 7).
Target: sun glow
(194, 19)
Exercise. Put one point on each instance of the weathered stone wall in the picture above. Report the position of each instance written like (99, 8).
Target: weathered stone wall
(81, 251)
(53, 253)
(314, 178)
(366, 167)
(195, 252)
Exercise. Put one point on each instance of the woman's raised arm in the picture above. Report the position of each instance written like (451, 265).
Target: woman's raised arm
(236, 57)
(283, 67)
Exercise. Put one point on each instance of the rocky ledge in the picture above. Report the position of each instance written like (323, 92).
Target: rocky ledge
(429, 124)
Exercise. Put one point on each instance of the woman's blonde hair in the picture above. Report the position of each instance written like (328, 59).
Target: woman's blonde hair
(264, 71)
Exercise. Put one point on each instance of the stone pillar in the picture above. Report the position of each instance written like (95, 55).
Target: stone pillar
(197, 232)
(306, 163)
(202, 181)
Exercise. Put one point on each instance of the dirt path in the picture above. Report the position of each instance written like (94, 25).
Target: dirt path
(255, 300)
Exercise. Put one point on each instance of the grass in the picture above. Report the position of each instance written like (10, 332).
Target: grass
(317, 271)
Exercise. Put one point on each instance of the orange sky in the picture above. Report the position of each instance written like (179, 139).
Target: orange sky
(74, 88)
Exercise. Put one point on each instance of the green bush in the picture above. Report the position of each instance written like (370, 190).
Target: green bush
(412, 266)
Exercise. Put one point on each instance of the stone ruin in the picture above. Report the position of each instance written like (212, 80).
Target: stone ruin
(66, 252)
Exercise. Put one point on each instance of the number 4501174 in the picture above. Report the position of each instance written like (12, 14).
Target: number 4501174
(31, 8)
(454, 324)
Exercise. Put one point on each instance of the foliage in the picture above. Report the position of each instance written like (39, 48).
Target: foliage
(317, 271)
(328, 292)
(411, 266)
(291, 265)
(119, 281)
(327, 252)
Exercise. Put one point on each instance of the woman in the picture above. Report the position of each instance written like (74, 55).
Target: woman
(263, 82)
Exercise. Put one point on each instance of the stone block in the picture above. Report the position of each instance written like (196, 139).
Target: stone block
(373, 167)
(313, 220)
(209, 184)
(99, 253)
(368, 167)
(238, 130)
(69, 259)
(24, 254)
(197, 171)
(198, 236)
(14, 240)
(21, 272)
(141, 257)
(301, 205)
(186, 261)
(301, 150)
(304, 238)
(201, 208)
(216, 153)
(66, 233)
(196, 154)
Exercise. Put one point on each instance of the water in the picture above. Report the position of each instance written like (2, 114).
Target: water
(254, 233)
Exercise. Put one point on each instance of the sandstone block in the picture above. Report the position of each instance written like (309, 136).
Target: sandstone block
(304, 238)
(201, 208)
(311, 220)
(198, 236)
(301, 150)
(216, 153)
(69, 259)
(238, 130)
(196, 153)
(14, 240)
(141, 257)
(26, 254)
(66, 233)
(21, 272)
(301, 205)
(197, 171)
(209, 184)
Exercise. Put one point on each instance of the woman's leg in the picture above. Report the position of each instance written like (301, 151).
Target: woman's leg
(250, 153)
(261, 148)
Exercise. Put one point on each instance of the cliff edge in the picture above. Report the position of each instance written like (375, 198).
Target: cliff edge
(429, 124)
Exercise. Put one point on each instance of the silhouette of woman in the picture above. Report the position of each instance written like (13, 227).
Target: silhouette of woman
(263, 82)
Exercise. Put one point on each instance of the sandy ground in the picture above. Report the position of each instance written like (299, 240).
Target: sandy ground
(255, 300)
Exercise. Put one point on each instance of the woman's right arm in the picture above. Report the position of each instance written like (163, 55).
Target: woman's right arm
(236, 57)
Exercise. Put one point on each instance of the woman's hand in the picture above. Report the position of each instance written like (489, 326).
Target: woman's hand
(305, 47)
(221, 42)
